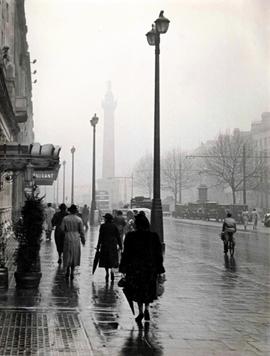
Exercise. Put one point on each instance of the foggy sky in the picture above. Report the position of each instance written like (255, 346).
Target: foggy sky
(214, 73)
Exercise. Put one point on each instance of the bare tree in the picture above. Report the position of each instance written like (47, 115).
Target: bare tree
(231, 160)
(143, 174)
(175, 169)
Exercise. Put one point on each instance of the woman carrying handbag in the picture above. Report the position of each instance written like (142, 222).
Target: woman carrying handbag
(142, 264)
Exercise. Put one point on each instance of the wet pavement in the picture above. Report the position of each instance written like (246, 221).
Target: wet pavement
(211, 306)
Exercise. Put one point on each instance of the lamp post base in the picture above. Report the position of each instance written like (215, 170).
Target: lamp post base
(94, 218)
(157, 220)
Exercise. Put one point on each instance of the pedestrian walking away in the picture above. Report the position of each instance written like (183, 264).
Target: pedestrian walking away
(130, 226)
(72, 226)
(120, 223)
(108, 243)
(255, 217)
(142, 266)
(48, 215)
(245, 216)
(228, 230)
(85, 216)
(59, 234)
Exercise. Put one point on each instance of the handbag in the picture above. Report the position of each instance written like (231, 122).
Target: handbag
(222, 236)
(122, 282)
(160, 285)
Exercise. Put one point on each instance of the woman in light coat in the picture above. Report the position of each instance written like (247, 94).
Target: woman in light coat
(72, 226)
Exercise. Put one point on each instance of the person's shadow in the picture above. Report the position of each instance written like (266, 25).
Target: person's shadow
(105, 298)
(64, 292)
(141, 342)
(230, 263)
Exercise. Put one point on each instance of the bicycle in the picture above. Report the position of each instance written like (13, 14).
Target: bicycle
(229, 245)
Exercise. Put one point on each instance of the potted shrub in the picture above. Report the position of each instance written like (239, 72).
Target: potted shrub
(5, 233)
(28, 233)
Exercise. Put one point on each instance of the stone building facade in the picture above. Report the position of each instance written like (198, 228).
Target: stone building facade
(260, 133)
(16, 112)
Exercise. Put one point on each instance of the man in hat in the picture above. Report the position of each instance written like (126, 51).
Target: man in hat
(49, 213)
(85, 216)
(59, 234)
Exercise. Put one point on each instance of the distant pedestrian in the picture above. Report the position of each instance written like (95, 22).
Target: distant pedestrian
(48, 214)
(130, 226)
(100, 217)
(228, 229)
(142, 263)
(245, 217)
(120, 223)
(59, 234)
(72, 226)
(85, 216)
(108, 243)
(255, 217)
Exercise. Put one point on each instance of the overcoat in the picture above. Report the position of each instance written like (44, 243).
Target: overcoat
(59, 234)
(108, 242)
(72, 226)
(142, 262)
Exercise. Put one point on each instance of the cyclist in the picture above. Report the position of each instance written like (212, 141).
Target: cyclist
(228, 229)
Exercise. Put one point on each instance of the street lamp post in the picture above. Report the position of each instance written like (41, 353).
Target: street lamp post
(64, 181)
(153, 37)
(57, 191)
(72, 175)
(93, 122)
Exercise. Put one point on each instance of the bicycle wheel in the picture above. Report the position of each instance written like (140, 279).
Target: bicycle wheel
(225, 246)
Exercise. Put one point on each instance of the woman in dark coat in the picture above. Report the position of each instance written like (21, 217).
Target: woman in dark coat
(108, 242)
(59, 234)
(142, 263)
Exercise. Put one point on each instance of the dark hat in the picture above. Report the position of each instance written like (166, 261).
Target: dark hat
(108, 217)
(73, 209)
(141, 222)
(62, 206)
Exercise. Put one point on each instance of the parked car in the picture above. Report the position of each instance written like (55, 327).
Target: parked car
(266, 220)
(145, 210)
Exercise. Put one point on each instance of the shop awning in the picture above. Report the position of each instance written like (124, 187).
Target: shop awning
(44, 159)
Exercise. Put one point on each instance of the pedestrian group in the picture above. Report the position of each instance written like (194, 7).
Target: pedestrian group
(124, 244)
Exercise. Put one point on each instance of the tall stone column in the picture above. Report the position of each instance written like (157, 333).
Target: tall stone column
(109, 105)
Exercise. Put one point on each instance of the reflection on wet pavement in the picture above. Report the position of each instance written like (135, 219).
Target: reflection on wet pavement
(213, 304)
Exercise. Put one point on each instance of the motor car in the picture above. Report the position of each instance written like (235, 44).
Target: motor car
(134, 211)
(137, 210)
(266, 220)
